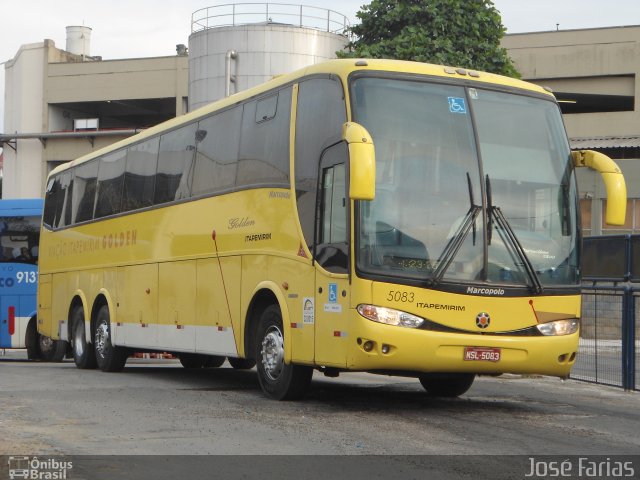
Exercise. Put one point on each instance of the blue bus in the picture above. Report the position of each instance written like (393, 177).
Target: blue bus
(19, 238)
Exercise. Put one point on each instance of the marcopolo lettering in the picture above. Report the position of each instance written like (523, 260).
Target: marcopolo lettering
(485, 291)
(6, 282)
(285, 195)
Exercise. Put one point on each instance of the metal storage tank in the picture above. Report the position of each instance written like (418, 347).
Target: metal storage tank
(79, 40)
(236, 46)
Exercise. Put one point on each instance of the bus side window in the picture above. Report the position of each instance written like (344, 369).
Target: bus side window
(320, 115)
(217, 152)
(332, 247)
(264, 149)
(58, 201)
(139, 175)
(50, 204)
(84, 192)
(110, 182)
(175, 164)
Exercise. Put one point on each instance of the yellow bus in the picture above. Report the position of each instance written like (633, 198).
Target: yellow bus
(357, 215)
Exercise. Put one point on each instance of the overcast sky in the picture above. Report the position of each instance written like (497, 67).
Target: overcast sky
(146, 28)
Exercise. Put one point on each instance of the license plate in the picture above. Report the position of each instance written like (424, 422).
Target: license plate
(482, 354)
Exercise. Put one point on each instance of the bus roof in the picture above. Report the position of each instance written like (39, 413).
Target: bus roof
(341, 67)
(21, 207)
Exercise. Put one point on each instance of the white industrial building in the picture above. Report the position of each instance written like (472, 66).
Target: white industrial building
(61, 104)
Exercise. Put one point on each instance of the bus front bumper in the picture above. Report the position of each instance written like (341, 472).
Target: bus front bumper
(378, 347)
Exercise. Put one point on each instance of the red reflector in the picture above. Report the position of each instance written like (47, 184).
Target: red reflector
(12, 320)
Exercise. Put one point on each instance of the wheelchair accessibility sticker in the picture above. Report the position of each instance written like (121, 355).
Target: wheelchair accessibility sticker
(333, 306)
(457, 105)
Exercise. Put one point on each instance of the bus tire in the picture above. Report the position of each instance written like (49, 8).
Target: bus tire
(84, 355)
(241, 363)
(51, 350)
(192, 360)
(31, 340)
(447, 385)
(277, 379)
(109, 358)
(214, 361)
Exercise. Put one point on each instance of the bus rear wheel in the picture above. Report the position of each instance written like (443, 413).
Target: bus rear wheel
(84, 355)
(214, 361)
(448, 385)
(193, 360)
(108, 357)
(241, 363)
(51, 350)
(278, 380)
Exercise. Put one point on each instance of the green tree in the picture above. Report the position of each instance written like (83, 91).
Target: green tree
(461, 33)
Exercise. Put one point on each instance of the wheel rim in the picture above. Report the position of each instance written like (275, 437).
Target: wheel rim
(273, 353)
(78, 339)
(102, 337)
(46, 344)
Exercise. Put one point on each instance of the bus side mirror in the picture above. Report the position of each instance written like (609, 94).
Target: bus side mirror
(613, 182)
(362, 162)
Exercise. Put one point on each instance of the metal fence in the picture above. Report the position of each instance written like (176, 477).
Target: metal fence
(234, 14)
(609, 334)
(604, 337)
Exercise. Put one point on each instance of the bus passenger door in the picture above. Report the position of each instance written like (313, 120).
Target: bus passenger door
(331, 259)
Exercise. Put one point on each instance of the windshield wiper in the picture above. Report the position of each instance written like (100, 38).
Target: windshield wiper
(455, 242)
(503, 225)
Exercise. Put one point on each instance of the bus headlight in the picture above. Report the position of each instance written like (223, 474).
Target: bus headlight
(389, 316)
(559, 327)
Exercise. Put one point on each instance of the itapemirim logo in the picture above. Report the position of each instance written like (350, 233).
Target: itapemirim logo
(37, 469)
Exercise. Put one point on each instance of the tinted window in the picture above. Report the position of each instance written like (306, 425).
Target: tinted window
(84, 193)
(321, 113)
(266, 108)
(140, 175)
(110, 182)
(50, 200)
(264, 149)
(217, 154)
(19, 239)
(57, 209)
(332, 248)
(175, 163)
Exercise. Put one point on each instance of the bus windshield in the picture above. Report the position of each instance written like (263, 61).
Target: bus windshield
(19, 238)
(472, 185)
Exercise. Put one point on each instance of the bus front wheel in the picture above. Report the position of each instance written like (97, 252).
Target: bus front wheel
(277, 379)
(108, 357)
(84, 355)
(447, 385)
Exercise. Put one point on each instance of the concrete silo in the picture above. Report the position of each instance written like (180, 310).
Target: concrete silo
(236, 46)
